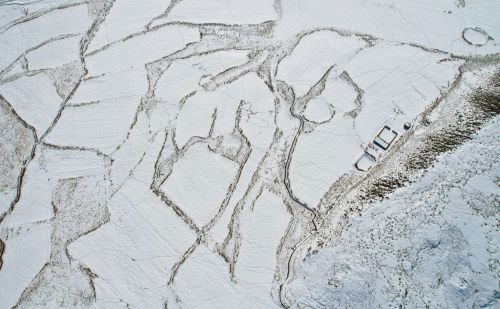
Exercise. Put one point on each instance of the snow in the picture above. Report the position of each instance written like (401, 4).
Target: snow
(137, 249)
(261, 234)
(54, 54)
(139, 50)
(322, 157)
(223, 12)
(258, 126)
(184, 76)
(9, 14)
(256, 266)
(432, 241)
(196, 286)
(339, 93)
(475, 36)
(124, 18)
(205, 173)
(314, 55)
(112, 87)
(35, 100)
(195, 117)
(258, 130)
(42, 176)
(319, 110)
(365, 162)
(72, 20)
(220, 154)
(15, 11)
(16, 68)
(102, 126)
(430, 23)
(401, 82)
(22, 262)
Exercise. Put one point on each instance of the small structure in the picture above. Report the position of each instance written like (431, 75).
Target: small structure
(385, 138)
(365, 162)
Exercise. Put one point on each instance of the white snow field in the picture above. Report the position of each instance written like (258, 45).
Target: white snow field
(222, 12)
(249, 154)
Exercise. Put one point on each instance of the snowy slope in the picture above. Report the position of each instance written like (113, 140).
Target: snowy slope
(433, 244)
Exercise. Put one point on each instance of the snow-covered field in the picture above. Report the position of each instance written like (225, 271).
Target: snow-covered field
(249, 154)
